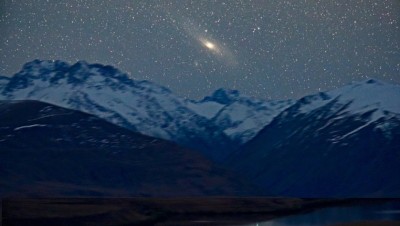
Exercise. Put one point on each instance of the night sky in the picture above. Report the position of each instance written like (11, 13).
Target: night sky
(265, 48)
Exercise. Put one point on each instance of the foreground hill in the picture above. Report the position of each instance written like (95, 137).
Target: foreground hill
(53, 151)
(344, 143)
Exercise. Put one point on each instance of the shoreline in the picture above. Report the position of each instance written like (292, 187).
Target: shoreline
(162, 211)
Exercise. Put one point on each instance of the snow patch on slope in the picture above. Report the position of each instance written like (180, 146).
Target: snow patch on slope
(30, 127)
(205, 109)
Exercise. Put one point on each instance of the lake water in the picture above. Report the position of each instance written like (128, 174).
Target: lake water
(345, 214)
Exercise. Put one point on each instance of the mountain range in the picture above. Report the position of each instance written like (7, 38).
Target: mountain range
(215, 125)
(342, 143)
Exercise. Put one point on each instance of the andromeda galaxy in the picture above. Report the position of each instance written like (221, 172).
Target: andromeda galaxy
(210, 45)
(205, 39)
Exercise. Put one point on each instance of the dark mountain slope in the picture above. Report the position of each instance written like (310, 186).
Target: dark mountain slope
(343, 143)
(52, 151)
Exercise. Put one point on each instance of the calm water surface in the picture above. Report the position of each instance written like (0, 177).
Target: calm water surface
(326, 216)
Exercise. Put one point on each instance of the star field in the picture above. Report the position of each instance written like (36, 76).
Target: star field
(272, 49)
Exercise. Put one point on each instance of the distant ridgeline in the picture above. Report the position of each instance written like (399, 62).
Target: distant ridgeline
(343, 142)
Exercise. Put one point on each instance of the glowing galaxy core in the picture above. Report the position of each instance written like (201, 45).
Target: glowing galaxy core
(209, 45)
(212, 46)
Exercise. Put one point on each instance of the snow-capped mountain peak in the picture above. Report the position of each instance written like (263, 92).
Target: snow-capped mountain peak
(370, 94)
(239, 116)
(359, 97)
